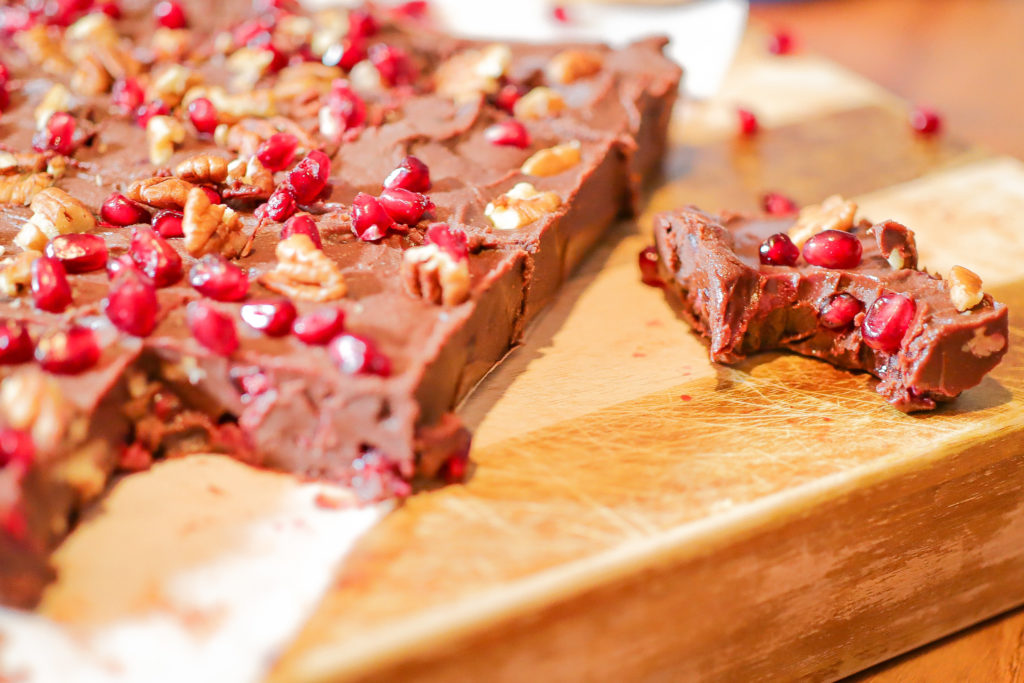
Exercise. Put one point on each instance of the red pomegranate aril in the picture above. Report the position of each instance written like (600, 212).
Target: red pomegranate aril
(131, 306)
(309, 177)
(211, 194)
(111, 9)
(155, 257)
(345, 54)
(346, 105)
(411, 174)
(203, 115)
(779, 250)
(5, 74)
(211, 328)
(510, 133)
(450, 240)
(560, 14)
(393, 64)
(58, 135)
(278, 151)
(414, 9)
(404, 206)
(252, 31)
(507, 97)
(15, 343)
(839, 311)
(216, 277)
(369, 219)
(119, 210)
(127, 95)
(887, 321)
(280, 206)
(781, 43)
(148, 110)
(68, 352)
(116, 266)
(778, 204)
(361, 24)
(168, 223)
(925, 120)
(5, 98)
(16, 448)
(833, 249)
(302, 224)
(170, 14)
(649, 273)
(79, 252)
(356, 355)
(747, 122)
(273, 318)
(320, 326)
(50, 289)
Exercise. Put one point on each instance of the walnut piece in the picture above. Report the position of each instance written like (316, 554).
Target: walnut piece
(163, 133)
(211, 228)
(984, 345)
(433, 275)
(520, 206)
(553, 160)
(248, 179)
(16, 273)
(539, 103)
(569, 66)
(305, 79)
(23, 176)
(54, 212)
(203, 168)
(31, 399)
(160, 193)
(171, 84)
(170, 44)
(233, 107)
(472, 73)
(304, 272)
(90, 77)
(965, 289)
(43, 50)
(835, 213)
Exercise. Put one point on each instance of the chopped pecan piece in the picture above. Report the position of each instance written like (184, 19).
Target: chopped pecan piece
(211, 228)
(171, 44)
(896, 243)
(43, 50)
(54, 212)
(160, 193)
(23, 176)
(234, 107)
(31, 400)
(539, 103)
(16, 273)
(553, 160)
(304, 272)
(520, 206)
(571, 65)
(965, 290)
(246, 136)
(835, 213)
(163, 133)
(472, 73)
(432, 274)
(305, 79)
(90, 77)
(57, 98)
(248, 180)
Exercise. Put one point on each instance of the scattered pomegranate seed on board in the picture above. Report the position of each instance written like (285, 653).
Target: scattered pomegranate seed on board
(747, 121)
(925, 121)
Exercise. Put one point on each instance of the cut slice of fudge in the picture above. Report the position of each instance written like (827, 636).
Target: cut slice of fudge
(828, 286)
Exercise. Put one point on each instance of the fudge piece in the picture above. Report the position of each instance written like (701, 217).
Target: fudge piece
(829, 286)
(297, 238)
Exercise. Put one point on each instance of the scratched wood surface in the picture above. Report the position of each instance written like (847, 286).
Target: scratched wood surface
(636, 512)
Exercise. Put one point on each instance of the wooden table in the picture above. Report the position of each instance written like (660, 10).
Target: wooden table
(957, 56)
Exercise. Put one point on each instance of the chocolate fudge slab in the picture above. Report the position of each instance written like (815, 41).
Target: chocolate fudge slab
(714, 277)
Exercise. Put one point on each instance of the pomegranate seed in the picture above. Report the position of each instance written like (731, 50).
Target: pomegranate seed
(452, 241)
(780, 43)
(404, 206)
(211, 194)
(110, 8)
(127, 95)
(393, 64)
(777, 204)
(833, 249)
(346, 106)
(887, 321)
(134, 457)
(748, 125)
(345, 54)
(361, 24)
(121, 263)
(5, 74)
(925, 120)
(278, 60)
(168, 223)
(16, 448)
(15, 20)
(203, 115)
(649, 274)
(414, 9)
(5, 98)
(271, 317)
(510, 133)
(148, 110)
(79, 252)
(560, 14)
(411, 174)
(508, 96)
(50, 289)
(216, 277)
(58, 135)
(277, 152)
(252, 32)
(15, 343)
(369, 219)
(68, 352)
(155, 257)
(211, 328)
(779, 250)
(131, 304)
(280, 206)
(119, 210)
(170, 14)
(454, 468)
(839, 311)
(355, 355)
(309, 177)
(302, 224)
(320, 327)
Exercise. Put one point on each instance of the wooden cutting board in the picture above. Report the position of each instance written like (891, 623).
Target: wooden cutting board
(637, 512)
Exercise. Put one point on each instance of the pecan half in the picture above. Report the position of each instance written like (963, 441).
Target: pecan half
(553, 160)
(248, 180)
(54, 212)
(520, 206)
(571, 65)
(160, 193)
(211, 228)
(203, 168)
(835, 213)
(433, 275)
(304, 272)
